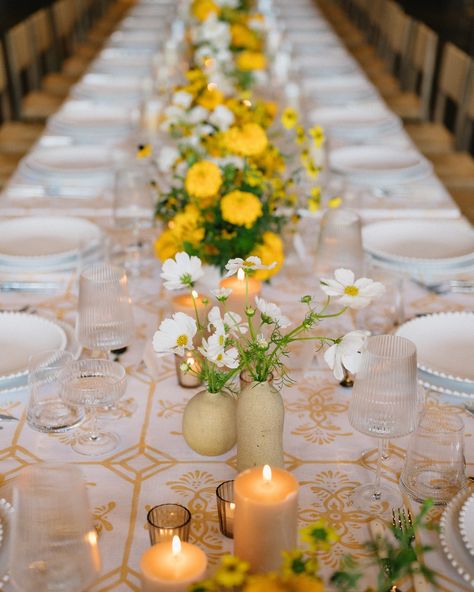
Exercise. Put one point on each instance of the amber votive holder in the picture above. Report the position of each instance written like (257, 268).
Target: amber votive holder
(167, 520)
(187, 377)
(226, 508)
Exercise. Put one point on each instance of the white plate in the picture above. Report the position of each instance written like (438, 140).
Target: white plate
(22, 335)
(336, 63)
(420, 242)
(451, 541)
(41, 240)
(356, 121)
(75, 160)
(105, 87)
(466, 523)
(84, 114)
(444, 344)
(336, 91)
(378, 163)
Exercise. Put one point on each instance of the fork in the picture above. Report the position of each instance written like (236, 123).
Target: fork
(402, 520)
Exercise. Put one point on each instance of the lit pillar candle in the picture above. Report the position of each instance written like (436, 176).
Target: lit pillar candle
(184, 303)
(265, 521)
(237, 299)
(188, 377)
(172, 566)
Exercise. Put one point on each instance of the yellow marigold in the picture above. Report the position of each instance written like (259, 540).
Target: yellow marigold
(244, 37)
(185, 227)
(203, 181)
(289, 118)
(265, 583)
(211, 97)
(167, 245)
(241, 208)
(251, 60)
(201, 9)
(269, 251)
(304, 583)
(231, 571)
(248, 140)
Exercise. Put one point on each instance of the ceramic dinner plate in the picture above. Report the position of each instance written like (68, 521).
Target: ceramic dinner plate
(466, 524)
(451, 541)
(22, 335)
(337, 91)
(378, 164)
(420, 242)
(37, 240)
(334, 63)
(86, 116)
(107, 86)
(444, 344)
(354, 121)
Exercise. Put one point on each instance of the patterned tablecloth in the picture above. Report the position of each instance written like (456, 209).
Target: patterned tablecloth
(154, 465)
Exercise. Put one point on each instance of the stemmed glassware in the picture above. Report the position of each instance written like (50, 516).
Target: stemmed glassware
(384, 404)
(93, 383)
(53, 544)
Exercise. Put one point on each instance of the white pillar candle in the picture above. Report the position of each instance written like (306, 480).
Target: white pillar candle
(172, 566)
(265, 521)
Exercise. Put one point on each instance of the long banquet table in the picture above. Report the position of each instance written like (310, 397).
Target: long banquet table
(154, 465)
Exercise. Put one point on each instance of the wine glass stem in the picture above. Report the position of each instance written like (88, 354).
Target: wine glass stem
(93, 428)
(385, 449)
(378, 474)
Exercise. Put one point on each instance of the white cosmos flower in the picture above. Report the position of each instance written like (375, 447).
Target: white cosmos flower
(182, 99)
(351, 292)
(181, 272)
(221, 293)
(251, 263)
(167, 156)
(346, 354)
(214, 352)
(222, 117)
(204, 129)
(234, 324)
(197, 115)
(273, 312)
(175, 335)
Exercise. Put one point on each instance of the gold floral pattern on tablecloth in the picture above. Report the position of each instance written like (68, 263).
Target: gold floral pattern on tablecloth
(100, 514)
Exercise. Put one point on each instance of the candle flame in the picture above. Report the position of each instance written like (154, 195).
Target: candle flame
(241, 274)
(267, 473)
(247, 103)
(212, 86)
(194, 294)
(232, 506)
(176, 545)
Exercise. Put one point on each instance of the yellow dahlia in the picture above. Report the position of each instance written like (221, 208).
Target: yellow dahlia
(241, 208)
(203, 181)
(242, 36)
(201, 9)
(185, 227)
(269, 251)
(248, 140)
(251, 60)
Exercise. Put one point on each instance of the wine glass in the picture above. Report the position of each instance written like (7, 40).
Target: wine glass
(53, 544)
(104, 319)
(384, 404)
(134, 214)
(93, 383)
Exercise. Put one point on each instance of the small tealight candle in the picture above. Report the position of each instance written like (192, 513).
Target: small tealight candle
(187, 377)
(265, 521)
(237, 300)
(185, 303)
(172, 566)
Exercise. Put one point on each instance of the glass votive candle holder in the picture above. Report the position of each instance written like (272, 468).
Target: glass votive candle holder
(226, 508)
(167, 520)
(187, 367)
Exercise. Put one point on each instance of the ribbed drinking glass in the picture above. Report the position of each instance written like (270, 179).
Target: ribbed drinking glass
(384, 403)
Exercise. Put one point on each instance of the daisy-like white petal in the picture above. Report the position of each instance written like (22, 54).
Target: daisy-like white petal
(234, 324)
(346, 354)
(249, 264)
(212, 350)
(351, 292)
(175, 335)
(272, 312)
(181, 272)
(221, 293)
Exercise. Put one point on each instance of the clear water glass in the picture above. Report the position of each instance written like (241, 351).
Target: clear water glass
(53, 541)
(47, 412)
(435, 464)
(384, 403)
(90, 384)
(104, 315)
(339, 242)
(387, 311)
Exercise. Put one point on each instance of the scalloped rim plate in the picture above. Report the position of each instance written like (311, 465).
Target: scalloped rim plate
(405, 330)
(450, 539)
(466, 523)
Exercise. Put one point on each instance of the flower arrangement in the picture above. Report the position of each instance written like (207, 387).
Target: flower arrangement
(393, 558)
(227, 345)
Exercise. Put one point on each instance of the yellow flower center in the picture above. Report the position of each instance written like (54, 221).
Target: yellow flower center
(221, 340)
(351, 290)
(182, 340)
(219, 357)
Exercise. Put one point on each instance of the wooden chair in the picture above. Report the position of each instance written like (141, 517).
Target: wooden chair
(413, 103)
(30, 103)
(434, 137)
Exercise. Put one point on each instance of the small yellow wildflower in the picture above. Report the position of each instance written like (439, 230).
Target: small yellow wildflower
(311, 168)
(203, 181)
(204, 586)
(317, 133)
(144, 151)
(251, 60)
(289, 118)
(300, 134)
(314, 201)
(293, 562)
(334, 202)
(241, 208)
(319, 535)
(231, 572)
